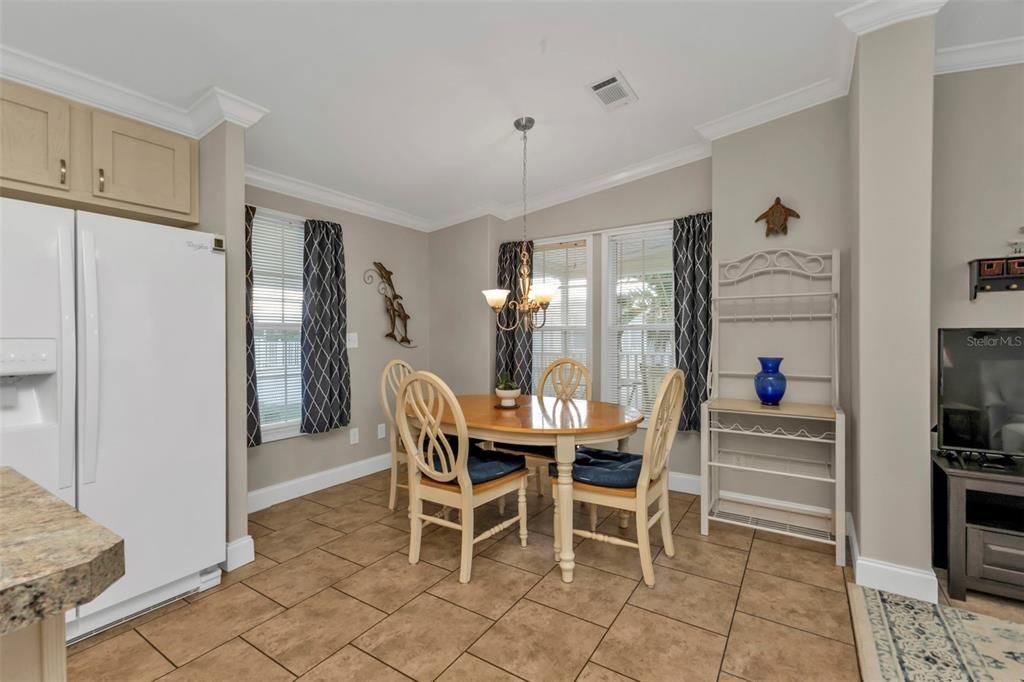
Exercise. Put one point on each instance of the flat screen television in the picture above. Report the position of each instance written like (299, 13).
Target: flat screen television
(981, 390)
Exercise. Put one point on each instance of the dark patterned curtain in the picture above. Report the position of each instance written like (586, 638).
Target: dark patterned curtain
(691, 264)
(326, 392)
(515, 348)
(254, 436)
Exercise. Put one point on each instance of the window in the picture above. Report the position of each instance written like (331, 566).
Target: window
(566, 332)
(639, 337)
(277, 320)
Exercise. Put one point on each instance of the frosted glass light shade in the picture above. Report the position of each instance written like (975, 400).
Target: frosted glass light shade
(495, 297)
(543, 293)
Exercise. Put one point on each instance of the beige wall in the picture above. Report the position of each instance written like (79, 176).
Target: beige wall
(221, 211)
(403, 251)
(852, 405)
(895, 68)
(978, 193)
(462, 326)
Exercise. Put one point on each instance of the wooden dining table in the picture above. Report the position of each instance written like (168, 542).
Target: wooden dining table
(563, 424)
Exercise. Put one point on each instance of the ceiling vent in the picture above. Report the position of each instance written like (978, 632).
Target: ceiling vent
(613, 91)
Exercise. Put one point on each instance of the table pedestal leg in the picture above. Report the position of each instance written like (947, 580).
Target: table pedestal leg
(565, 454)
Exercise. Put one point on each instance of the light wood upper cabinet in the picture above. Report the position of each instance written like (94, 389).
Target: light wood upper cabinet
(55, 151)
(140, 164)
(35, 137)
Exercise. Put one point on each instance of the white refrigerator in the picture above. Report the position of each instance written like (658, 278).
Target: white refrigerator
(112, 389)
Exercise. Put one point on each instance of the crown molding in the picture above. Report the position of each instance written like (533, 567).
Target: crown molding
(980, 55)
(216, 106)
(318, 194)
(877, 14)
(211, 109)
(769, 110)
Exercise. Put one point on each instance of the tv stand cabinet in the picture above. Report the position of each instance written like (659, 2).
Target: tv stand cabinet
(984, 527)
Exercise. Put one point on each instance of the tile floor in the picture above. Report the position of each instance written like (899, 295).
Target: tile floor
(331, 596)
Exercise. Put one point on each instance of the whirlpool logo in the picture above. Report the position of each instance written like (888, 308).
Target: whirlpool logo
(197, 246)
(1004, 341)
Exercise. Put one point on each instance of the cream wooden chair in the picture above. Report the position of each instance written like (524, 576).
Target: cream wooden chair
(566, 376)
(464, 477)
(390, 380)
(631, 483)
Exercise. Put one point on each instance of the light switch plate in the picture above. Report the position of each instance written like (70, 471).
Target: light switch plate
(381, 431)
(353, 435)
(352, 340)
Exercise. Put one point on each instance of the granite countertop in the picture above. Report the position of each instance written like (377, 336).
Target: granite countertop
(52, 557)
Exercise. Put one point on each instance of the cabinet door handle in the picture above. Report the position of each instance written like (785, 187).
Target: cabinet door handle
(63, 172)
(103, 179)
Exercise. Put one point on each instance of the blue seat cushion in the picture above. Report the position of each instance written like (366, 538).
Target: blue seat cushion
(605, 468)
(484, 465)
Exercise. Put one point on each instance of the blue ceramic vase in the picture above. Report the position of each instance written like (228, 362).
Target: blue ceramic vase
(770, 383)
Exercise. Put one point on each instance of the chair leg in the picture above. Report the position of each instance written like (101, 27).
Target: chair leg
(466, 563)
(501, 505)
(415, 524)
(522, 511)
(394, 482)
(558, 526)
(666, 523)
(624, 519)
(643, 539)
(593, 517)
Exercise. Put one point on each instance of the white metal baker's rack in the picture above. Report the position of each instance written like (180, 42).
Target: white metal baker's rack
(776, 287)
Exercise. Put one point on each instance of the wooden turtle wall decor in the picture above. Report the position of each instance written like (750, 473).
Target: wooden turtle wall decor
(776, 218)
(398, 318)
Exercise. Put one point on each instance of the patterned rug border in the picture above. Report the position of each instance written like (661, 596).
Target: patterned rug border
(941, 642)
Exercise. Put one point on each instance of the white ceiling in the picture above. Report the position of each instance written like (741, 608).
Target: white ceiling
(410, 104)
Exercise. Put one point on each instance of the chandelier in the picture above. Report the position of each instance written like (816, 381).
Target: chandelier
(529, 305)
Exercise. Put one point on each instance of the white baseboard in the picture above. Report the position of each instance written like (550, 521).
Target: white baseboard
(239, 553)
(262, 498)
(684, 483)
(896, 578)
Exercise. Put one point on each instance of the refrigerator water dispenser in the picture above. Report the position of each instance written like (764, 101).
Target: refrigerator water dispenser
(28, 381)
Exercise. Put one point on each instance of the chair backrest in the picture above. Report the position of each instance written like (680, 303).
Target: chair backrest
(662, 428)
(390, 379)
(566, 376)
(423, 400)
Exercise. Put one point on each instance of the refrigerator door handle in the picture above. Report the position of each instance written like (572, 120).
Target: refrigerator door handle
(92, 359)
(66, 440)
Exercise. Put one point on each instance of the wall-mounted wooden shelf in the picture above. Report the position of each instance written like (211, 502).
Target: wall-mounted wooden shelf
(997, 274)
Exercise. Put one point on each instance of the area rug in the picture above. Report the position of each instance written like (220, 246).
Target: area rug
(899, 638)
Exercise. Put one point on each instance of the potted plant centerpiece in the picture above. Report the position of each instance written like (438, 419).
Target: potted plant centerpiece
(506, 390)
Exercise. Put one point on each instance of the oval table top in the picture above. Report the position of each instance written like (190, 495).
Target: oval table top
(545, 415)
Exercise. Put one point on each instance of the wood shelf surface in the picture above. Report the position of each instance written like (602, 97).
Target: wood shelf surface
(820, 411)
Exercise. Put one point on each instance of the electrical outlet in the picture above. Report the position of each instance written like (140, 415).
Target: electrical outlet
(381, 431)
(352, 340)
(353, 436)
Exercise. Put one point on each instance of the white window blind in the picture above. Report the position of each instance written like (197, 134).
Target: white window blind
(639, 339)
(566, 332)
(277, 318)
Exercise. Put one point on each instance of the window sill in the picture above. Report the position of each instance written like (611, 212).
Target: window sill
(280, 431)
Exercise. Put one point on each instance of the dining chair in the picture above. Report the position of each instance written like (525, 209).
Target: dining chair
(566, 376)
(450, 470)
(631, 483)
(390, 380)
